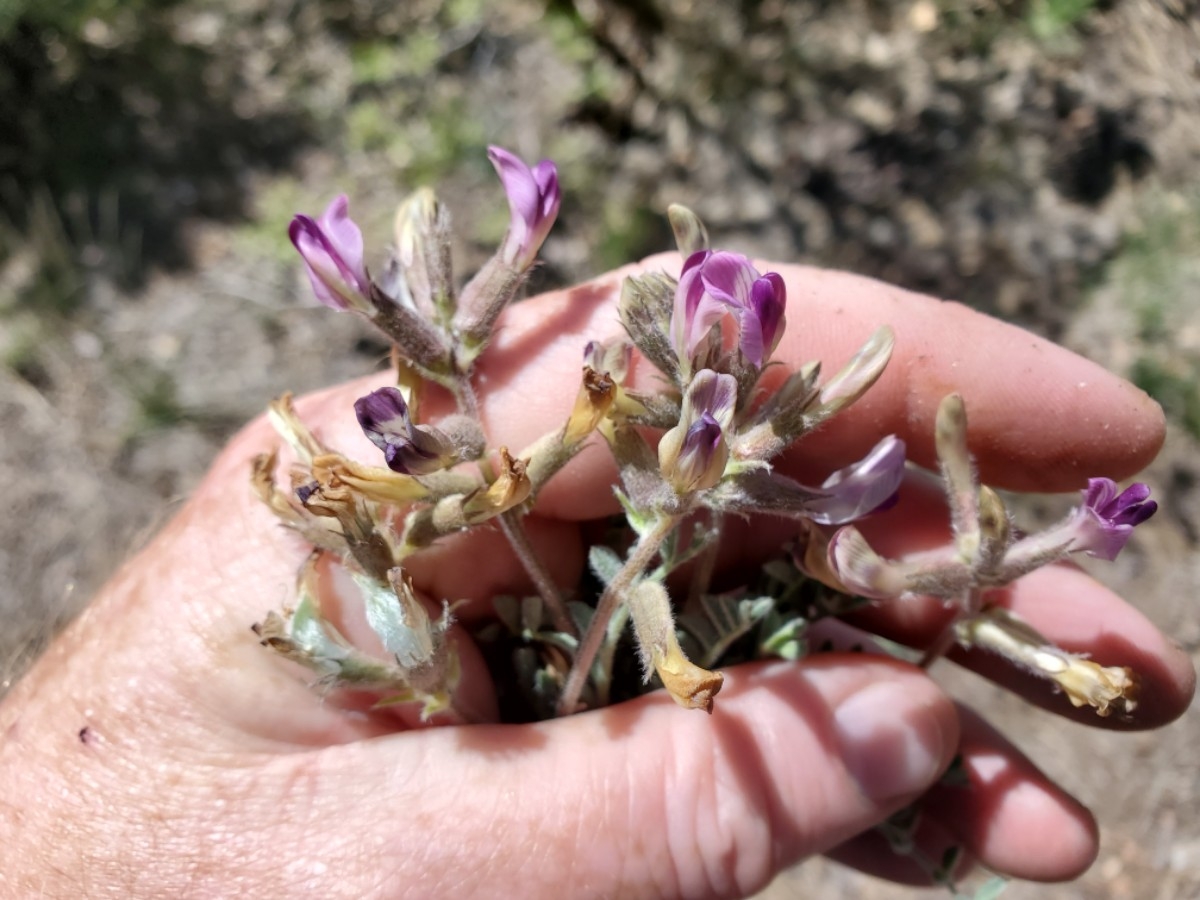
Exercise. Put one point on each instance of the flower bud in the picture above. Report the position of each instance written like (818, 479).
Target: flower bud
(958, 472)
(645, 309)
(332, 250)
(690, 233)
(423, 251)
(857, 376)
(692, 456)
(533, 200)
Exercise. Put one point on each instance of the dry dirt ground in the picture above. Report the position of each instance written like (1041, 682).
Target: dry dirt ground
(1040, 169)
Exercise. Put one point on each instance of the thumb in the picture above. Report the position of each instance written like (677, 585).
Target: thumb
(645, 799)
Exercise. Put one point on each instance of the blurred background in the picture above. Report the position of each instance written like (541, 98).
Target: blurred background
(1038, 159)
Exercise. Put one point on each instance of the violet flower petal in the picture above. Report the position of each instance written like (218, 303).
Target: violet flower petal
(1105, 522)
(863, 487)
(344, 234)
(534, 197)
(711, 394)
(715, 284)
(383, 416)
(694, 311)
(768, 299)
(729, 277)
(700, 461)
(407, 448)
(332, 251)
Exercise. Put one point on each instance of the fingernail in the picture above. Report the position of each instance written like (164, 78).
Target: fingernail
(892, 742)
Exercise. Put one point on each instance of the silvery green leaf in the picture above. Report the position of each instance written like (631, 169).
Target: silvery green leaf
(604, 563)
(784, 638)
(731, 618)
(991, 889)
(508, 611)
(404, 628)
(641, 521)
(565, 642)
(318, 646)
(944, 873)
(316, 636)
(581, 614)
(532, 609)
(781, 570)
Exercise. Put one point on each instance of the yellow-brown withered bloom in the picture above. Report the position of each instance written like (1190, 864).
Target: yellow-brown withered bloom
(510, 489)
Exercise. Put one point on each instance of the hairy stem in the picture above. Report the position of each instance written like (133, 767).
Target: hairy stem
(706, 562)
(645, 550)
(514, 529)
(607, 654)
(468, 401)
(948, 637)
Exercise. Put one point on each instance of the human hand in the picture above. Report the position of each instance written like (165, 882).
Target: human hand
(156, 750)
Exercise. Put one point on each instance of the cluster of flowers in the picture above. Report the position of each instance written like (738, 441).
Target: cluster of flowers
(711, 333)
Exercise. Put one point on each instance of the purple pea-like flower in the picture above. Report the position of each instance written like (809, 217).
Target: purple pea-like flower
(700, 449)
(1104, 523)
(864, 487)
(332, 250)
(533, 200)
(693, 454)
(409, 449)
(717, 283)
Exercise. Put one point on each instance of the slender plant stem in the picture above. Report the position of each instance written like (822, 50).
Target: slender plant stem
(514, 529)
(643, 553)
(706, 564)
(608, 652)
(468, 401)
(949, 634)
(940, 646)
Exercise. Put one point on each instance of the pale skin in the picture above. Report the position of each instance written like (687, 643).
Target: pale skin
(208, 768)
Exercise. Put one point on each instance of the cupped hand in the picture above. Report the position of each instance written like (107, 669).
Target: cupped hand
(157, 750)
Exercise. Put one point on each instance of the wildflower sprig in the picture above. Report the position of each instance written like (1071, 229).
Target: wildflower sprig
(692, 453)
(711, 333)
(987, 552)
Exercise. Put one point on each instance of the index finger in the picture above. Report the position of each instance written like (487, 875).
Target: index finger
(1041, 418)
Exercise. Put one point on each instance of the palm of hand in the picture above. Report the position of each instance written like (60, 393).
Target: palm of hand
(206, 764)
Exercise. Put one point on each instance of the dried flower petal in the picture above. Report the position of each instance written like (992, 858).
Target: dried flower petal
(596, 396)
(511, 488)
(690, 685)
(1107, 689)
